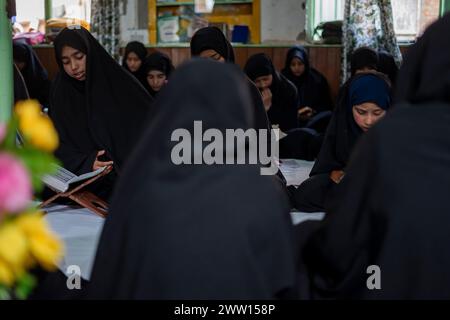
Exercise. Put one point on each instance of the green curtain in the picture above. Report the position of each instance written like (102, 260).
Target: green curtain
(105, 24)
(445, 6)
(368, 23)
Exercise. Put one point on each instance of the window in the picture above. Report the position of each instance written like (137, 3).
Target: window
(411, 17)
(31, 14)
(319, 11)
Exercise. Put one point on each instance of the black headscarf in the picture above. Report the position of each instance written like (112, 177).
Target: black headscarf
(284, 93)
(418, 82)
(160, 62)
(387, 65)
(363, 57)
(312, 87)
(139, 49)
(343, 132)
(34, 74)
(107, 111)
(210, 231)
(212, 38)
(391, 208)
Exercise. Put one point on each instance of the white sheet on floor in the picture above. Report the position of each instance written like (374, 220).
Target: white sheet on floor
(80, 230)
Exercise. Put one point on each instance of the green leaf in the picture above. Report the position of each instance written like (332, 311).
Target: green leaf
(9, 142)
(25, 285)
(38, 164)
(4, 293)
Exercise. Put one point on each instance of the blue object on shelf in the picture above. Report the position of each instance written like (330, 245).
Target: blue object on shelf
(240, 34)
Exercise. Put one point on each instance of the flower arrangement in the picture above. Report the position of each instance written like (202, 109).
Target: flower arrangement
(26, 241)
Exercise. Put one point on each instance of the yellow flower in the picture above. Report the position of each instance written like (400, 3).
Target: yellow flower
(13, 246)
(28, 110)
(36, 127)
(41, 134)
(6, 274)
(44, 246)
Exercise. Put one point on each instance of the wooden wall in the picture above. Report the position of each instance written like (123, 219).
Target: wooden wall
(325, 59)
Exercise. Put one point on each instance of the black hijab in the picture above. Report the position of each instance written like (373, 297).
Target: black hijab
(139, 49)
(363, 57)
(34, 74)
(418, 82)
(160, 62)
(343, 132)
(107, 111)
(211, 231)
(312, 87)
(212, 38)
(387, 65)
(284, 94)
(391, 208)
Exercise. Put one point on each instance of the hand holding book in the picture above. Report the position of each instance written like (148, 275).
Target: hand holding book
(102, 160)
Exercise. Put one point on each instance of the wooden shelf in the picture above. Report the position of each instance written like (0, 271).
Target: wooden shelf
(245, 12)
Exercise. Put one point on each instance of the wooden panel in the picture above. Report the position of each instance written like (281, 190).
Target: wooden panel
(48, 60)
(279, 57)
(241, 56)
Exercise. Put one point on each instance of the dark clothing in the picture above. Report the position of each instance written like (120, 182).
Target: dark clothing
(283, 111)
(340, 138)
(107, 111)
(212, 38)
(312, 87)
(195, 231)
(34, 74)
(139, 49)
(391, 208)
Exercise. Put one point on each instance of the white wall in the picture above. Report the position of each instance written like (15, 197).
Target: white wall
(282, 20)
(129, 27)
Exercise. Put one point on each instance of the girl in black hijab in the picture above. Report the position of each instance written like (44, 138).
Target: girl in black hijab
(366, 99)
(279, 94)
(395, 216)
(312, 87)
(157, 68)
(210, 42)
(211, 231)
(387, 65)
(363, 59)
(133, 60)
(34, 74)
(98, 109)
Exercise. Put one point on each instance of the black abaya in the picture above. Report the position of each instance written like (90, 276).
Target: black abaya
(195, 231)
(391, 209)
(107, 111)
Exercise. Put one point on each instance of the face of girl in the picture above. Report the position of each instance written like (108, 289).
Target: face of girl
(156, 80)
(367, 114)
(264, 82)
(133, 62)
(212, 54)
(297, 67)
(74, 63)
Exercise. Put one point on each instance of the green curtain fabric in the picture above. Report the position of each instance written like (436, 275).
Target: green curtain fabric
(105, 24)
(368, 23)
(445, 7)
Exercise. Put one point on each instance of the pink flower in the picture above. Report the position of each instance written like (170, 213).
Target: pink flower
(15, 185)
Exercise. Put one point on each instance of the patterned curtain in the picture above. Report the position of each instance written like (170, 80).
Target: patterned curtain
(105, 24)
(368, 23)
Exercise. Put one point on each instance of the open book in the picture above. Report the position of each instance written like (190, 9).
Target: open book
(63, 178)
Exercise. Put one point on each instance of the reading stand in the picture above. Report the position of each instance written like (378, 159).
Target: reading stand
(82, 197)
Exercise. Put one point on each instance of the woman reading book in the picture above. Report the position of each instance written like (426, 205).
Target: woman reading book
(98, 108)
